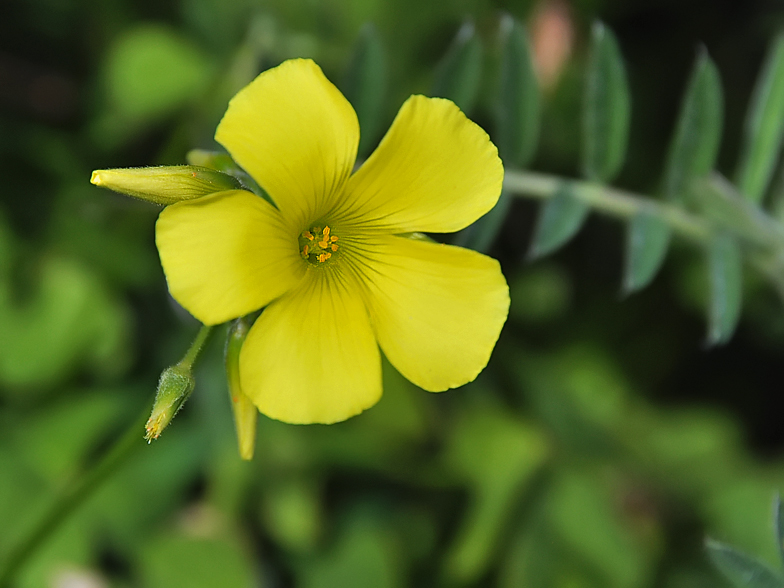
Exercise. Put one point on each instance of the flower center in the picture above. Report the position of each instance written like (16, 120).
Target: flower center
(317, 245)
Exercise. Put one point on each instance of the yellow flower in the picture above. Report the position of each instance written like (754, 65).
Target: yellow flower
(334, 262)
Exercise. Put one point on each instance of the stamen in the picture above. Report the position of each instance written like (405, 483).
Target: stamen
(317, 244)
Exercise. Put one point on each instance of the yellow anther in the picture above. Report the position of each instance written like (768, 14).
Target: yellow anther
(316, 245)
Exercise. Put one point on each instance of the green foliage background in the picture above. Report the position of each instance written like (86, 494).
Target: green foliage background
(601, 445)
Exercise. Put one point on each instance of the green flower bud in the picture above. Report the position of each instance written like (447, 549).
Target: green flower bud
(174, 388)
(165, 184)
(246, 415)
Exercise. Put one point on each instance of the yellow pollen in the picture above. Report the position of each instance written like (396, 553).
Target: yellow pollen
(317, 244)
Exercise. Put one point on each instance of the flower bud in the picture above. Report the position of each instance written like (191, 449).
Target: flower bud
(246, 415)
(165, 184)
(174, 388)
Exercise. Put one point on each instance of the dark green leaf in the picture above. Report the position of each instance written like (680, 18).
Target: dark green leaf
(605, 109)
(764, 128)
(365, 85)
(726, 276)
(459, 73)
(559, 220)
(646, 247)
(742, 570)
(696, 141)
(518, 101)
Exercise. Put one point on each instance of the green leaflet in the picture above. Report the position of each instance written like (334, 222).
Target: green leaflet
(518, 111)
(725, 267)
(459, 73)
(606, 108)
(764, 128)
(559, 220)
(647, 241)
(742, 570)
(496, 457)
(696, 141)
(365, 85)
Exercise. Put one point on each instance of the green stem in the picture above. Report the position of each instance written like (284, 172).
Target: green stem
(194, 350)
(611, 201)
(73, 497)
(764, 232)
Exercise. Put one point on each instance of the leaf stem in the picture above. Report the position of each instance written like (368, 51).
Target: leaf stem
(611, 201)
(73, 497)
(81, 489)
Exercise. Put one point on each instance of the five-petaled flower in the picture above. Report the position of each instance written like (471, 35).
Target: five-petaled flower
(337, 261)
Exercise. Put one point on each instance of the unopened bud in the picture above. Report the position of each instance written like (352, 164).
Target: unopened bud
(174, 388)
(246, 415)
(165, 184)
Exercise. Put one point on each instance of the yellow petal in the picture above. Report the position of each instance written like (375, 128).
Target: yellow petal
(226, 255)
(434, 171)
(311, 357)
(295, 134)
(437, 309)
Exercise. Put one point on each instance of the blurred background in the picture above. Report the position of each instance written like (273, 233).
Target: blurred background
(601, 445)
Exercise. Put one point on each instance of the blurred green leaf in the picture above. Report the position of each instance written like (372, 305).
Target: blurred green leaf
(365, 85)
(606, 108)
(7, 246)
(459, 73)
(291, 511)
(742, 570)
(691, 451)
(647, 240)
(560, 218)
(764, 127)
(739, 511)
(695, 143)
(778, 520)
(725, 266)
(174, 560)
(540, 294)
(518, 111)
(69, 322)
(583, 515)
(497, 455)
(56, 440)
(152, 70)
(481, 235)
(365, 555)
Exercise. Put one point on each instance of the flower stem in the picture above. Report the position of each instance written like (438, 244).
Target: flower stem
(73, 497)
(194, 350)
